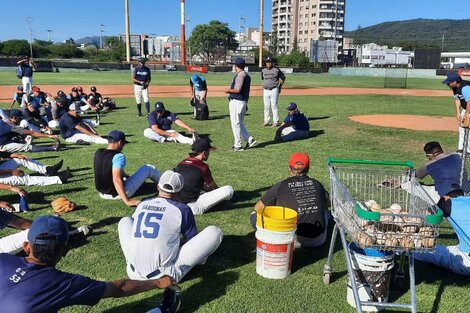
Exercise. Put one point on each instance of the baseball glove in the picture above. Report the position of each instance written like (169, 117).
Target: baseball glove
(62, 205)
(145, 85)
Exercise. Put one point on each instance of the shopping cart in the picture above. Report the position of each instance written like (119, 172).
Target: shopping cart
(372, 210)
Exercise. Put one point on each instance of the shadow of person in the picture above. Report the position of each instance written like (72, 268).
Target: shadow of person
(315, 118)
(311, 134)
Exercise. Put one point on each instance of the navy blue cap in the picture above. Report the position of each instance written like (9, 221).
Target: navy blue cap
(53, 228)
(117, 135)
(292, 106)
(240, 62)
(142, 60)
(269, 59)
(19, 88)
(15, 113)
(452, 77)
(35, 104)
(159, 106)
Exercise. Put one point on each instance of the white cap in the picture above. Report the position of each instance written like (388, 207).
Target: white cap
(171, 182)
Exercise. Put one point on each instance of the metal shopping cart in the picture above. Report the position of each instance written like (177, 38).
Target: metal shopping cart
(373, 211)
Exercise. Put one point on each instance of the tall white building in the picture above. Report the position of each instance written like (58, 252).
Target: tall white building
(295, 23)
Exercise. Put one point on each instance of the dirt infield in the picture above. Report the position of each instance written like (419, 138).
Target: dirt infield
(413, 122)
(127, 91)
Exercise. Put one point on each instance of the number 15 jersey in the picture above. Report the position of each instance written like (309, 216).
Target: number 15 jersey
(156, 230)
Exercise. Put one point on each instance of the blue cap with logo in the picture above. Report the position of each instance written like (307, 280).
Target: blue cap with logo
(47, 230)
(117, 135)
(240, 62)
(159, 106)
(292, 106)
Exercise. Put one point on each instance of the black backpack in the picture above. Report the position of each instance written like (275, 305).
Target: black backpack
(202, 111)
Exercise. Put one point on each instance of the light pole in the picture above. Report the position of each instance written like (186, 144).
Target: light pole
(28, 21)
(261, 24)
(183, 37)
(189, 35)
(101, 35)
(128, 34)
(49, 34)
(240, 26)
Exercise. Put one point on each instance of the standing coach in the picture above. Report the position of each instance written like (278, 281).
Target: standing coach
(273, 79)
(141, 77)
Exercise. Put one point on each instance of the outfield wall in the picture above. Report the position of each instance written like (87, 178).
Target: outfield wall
(379, 72)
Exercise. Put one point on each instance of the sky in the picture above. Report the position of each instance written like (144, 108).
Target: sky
(80, 18)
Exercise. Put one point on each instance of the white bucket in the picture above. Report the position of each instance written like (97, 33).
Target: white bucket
(372, 275)
(274, 252)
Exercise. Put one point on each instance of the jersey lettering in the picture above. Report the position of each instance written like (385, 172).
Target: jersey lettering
(150, 225)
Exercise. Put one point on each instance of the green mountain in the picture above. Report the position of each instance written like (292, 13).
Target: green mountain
(418, 33)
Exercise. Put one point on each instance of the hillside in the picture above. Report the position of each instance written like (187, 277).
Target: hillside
(417, 33)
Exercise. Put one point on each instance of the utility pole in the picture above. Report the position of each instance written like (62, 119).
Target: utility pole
(101, 35)
(49, 34)
(183, 36)
(240, 26)
(128, 34)
(261, 22)
(189, 35)
(442, 42)
(28, 21)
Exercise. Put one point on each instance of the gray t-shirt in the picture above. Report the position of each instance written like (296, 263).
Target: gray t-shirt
(271, 77)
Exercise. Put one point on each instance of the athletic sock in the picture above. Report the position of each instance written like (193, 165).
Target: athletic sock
(139, 108)
(147, 107)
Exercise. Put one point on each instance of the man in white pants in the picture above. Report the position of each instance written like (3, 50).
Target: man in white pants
(273, 79)
(141, 78)
(150, 239)
(13, 242)
(110, 179)
(461, 91)
(200, 192)
(27, 68)
(239, 93)
(159, 130)
(11, 175)
(75, 130)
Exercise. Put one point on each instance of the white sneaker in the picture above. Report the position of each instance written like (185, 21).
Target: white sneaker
(251, 142)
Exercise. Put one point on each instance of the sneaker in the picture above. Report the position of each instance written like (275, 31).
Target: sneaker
(64, 175)
(265, 125)
(53, 169)
(56, 146)
(97, 119)
(139, 114)
(195, 136)
(251, 143)
(238, 148)
(28, 139)
(171, 302)
(82, 142)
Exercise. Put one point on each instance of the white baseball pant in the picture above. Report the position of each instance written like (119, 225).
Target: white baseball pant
(450, 257)
(17, 147)
(192, 253)
(133, 182)
(27, 180)
(209, 199)
(462, 133)
(13, 242)
(139, 93)
(27, 84)
(87, 138)
(270, 98)
(237, 110)
(152, 135)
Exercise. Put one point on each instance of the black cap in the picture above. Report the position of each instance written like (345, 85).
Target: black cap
(93, 88)
(74, 89)
(159, 106)
(269, 59)
(14, 113)
(201, 145)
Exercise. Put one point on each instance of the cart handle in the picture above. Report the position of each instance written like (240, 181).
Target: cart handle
(409, 164)
(431, 219)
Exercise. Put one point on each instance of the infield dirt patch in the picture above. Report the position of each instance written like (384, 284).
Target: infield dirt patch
(413, 122)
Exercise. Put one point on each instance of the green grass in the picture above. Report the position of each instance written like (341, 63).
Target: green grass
(213, 79)
(228, 282)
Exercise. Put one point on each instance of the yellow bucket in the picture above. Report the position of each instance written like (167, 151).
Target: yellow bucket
(276, 218)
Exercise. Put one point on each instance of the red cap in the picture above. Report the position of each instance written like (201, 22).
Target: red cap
(80, 88)
(299, 160)
(35, 88)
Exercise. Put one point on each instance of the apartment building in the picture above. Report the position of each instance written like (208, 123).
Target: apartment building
(297, 22)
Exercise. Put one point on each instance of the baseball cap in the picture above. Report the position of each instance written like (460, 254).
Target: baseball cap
(451, 77)
(142, 60)
(60, 93)
(117, 135)
(19, 88)
(292, 106)
(299, 160)
(159, 106)
(54, 228)
(201, 145)
(80, 88)
(171, 182)
(14, 113)
(269, 59)
(92, 88)
(35, 104)
(74, 89)
(240, 62)
(75, 107)
(36, 89)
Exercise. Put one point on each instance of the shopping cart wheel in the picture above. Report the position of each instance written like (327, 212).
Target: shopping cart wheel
(326, 278)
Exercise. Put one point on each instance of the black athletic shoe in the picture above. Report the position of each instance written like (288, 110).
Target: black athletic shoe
(82, 142)
(64, 175)
(53, 169)
(139, 114)
(171, 302)
(56, 146)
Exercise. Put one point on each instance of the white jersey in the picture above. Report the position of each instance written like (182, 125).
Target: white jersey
(156, 230)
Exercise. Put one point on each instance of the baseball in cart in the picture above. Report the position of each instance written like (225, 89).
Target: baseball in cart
(379, 222)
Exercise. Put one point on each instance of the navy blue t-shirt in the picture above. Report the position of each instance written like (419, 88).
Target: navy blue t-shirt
(163, 122)
(67, 125)
(27, 69)
(298, 120)
(28, 288)
(142, 73)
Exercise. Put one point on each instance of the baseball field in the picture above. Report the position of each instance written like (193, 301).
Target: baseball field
(228, 281)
